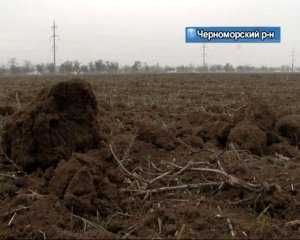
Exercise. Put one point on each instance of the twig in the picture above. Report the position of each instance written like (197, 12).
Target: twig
(15, 211)
(8, 176)
(43, 234)
(232, 146)
(231, 180)
(132, 230)
(174, 188)
(13, 163)
(160, 177)
(187, 145)
(293, 223)
(264, 211)
(127, 151)
(242, 201)
(183, 169)
(129, 174)
(182, 229)
(240, 108)
(159, 222)
(220, 188)
(18, 102)
(94, 225)
(220, 166)
(155, 167)
(35, 194)
(148, 219)
(147, 172)
(108, 221)
(12, 219)
(232, 232)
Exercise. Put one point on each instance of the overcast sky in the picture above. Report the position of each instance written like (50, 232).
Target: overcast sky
(150, 31)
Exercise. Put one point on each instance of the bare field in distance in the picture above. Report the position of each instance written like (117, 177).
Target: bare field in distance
(188, 91)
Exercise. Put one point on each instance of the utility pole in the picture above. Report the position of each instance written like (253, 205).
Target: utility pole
(293, 60)
(54, 37)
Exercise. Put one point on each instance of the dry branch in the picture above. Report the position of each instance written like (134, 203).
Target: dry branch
(127, 151)
(160, 177)
(8, 176)
(14, 164)
(230, 226)
(229, 179)
(43, 234)
(15, 211)
(129, 174)
(12, 219)
(94, 225)
(180, 233)
(190, 166)
(174, 188)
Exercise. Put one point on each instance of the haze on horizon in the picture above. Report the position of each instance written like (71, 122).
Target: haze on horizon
(152, 32)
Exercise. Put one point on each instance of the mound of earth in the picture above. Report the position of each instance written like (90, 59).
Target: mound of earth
(289, 127)
(194, 141)
(158, 136)
(247, 136)
(218, 130)
(87, 183)
(62, 120)
(209, 126)
(258, 112)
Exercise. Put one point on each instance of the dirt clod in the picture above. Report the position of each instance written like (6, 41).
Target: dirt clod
(61, 121)
(258, 112)
(248, 136)
(217, 130)
(158, 136)
(194, 141)
(87, 182)
(289, 127)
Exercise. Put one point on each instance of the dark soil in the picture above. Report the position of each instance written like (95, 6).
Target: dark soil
(289, 126)
(6, 110)
(158, 136)
(87, 182)
(248, 136)
(125, 157)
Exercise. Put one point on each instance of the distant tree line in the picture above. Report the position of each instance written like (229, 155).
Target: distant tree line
(99, 66)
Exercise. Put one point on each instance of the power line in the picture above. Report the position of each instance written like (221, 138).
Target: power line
(54, 37)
